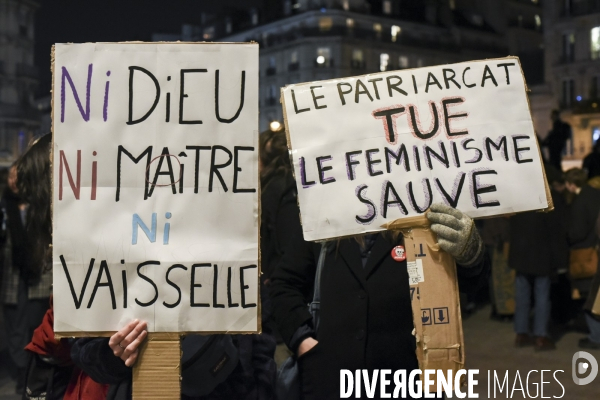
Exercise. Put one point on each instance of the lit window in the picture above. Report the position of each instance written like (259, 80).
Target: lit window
(325, 23)
(403, 62)
(452, 4)
(346, 5)
(419, 63)
(384, 59)
(349, 23)
(377, 28)
(387, 7)
(396, 30)
(538, 21)
(294, 57)
(595, 42)
(357, 59)
(535, 1)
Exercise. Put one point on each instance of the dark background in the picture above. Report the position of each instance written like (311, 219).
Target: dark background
(80, 21)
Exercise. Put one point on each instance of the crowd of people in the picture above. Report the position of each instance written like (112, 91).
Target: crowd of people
(365, 322)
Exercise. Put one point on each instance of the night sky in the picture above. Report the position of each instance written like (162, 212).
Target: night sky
(77, 21)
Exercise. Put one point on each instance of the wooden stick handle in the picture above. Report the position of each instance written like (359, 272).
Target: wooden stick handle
(156, 374)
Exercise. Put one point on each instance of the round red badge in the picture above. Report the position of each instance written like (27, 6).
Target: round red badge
(398, 253)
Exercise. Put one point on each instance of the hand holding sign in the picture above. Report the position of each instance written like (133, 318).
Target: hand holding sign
(126, 342)
(456, 233)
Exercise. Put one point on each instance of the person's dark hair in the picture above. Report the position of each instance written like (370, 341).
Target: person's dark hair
(274, 156)
(34, 184)
(576, 176)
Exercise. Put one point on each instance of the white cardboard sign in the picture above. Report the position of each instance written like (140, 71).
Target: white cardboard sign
(155, 180)
(371, 149)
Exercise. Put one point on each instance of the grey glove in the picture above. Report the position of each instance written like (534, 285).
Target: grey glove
(456, 233)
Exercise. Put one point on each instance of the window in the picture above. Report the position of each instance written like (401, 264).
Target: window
(272, 95)
(595, 88)
(357, 58)
(595, 134)
(350, 23)
(452, 4)
(377, 30)
(387, 7)
(323, 57)
(595, 43)
(419, 62)
(208, 33)
(325, 24)
(272, 69)
(568, 50)
(384, 60)
(477, 19)
(396, 30)
(294, 57)
(346, 5)
(228, 26)
(538, 21)
(403, 62)
(568, 91)
(254, 16)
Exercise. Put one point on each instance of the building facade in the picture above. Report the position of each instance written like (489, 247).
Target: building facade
(310, 40)
(572, 59)
(19, 119)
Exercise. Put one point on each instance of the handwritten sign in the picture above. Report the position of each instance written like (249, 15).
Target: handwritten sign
(371, 149)
(155, 180)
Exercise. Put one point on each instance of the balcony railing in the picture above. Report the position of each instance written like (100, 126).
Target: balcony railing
(581, 7)
(327, 64)
(444, 42)
(356, 64)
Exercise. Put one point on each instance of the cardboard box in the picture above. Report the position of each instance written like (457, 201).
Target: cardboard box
(435, 298)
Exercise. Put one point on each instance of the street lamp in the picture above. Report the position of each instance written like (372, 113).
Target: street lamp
(275, 126)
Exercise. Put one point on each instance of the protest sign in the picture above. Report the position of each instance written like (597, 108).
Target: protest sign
(155, 187)
(375, 148)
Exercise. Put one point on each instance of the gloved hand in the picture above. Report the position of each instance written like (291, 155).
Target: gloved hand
(456, 233)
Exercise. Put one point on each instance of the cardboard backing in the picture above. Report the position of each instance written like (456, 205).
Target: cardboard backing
(158, 376)
(435, 298)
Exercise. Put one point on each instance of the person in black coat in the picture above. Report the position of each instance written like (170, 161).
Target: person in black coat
(279, 213)
(591, 162)
(538, 249)
(583, 211)
(557, 139)
(366, 319)
(251, 377)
